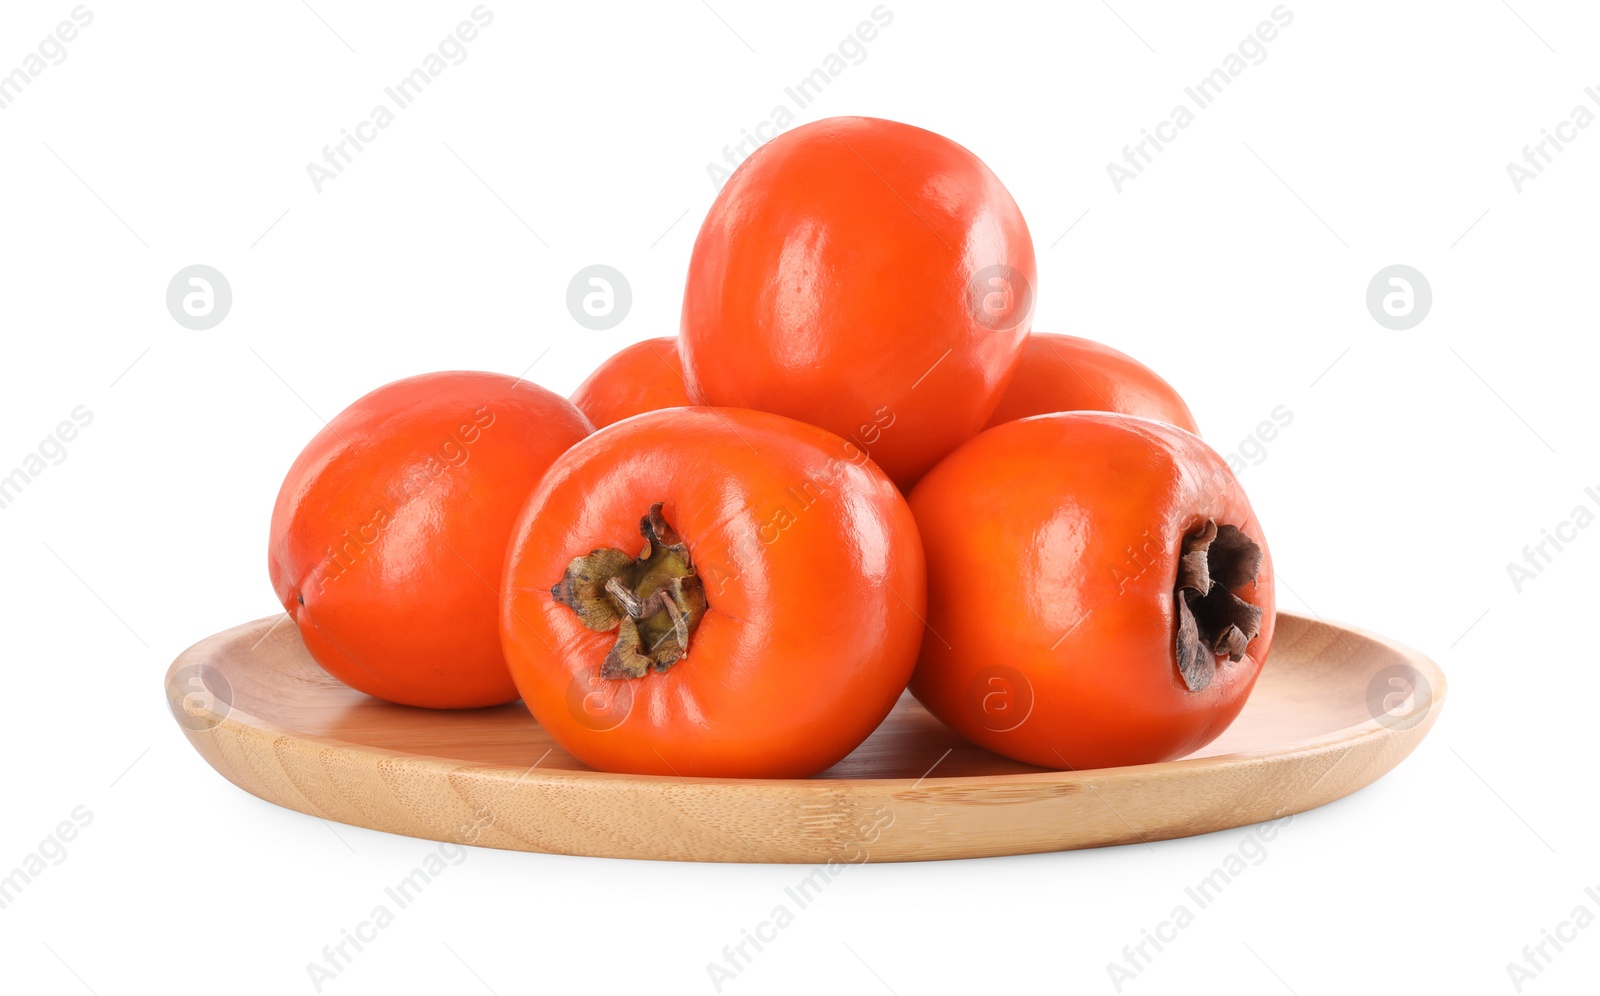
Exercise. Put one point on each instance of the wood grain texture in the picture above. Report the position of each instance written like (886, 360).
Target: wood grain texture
(270, 720)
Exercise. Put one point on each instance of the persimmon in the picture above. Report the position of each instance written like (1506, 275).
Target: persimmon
(1066, 373)
(713, 592)
(644, 377)
(866, 276)
(390, 530)
(1100, 589)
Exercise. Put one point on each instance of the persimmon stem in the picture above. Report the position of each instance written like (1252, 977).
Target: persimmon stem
(638, 608)
(1213, 621)
(627, 599)
(654, 601)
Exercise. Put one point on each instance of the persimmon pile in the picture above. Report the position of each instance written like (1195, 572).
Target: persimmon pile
(856, 470)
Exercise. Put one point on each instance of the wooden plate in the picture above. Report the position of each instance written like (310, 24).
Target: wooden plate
(1335, 709)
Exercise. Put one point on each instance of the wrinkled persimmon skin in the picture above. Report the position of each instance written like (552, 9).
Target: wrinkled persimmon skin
(390, 530)
(832, 282)
(1052, 548)
(813, 576)
(1065, 373)
(644, 377)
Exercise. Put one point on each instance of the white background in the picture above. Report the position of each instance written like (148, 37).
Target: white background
(1417, 465)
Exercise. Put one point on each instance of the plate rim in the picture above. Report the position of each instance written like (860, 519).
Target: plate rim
(1342, 740)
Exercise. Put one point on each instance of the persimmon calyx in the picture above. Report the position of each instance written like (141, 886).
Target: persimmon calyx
(654, 601)
(1213, 622)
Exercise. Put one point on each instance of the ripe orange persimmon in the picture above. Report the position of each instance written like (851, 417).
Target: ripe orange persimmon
(390, 530)
(1100, 589)
(1065, 373)
(713, 592)
(644, 377)
(865, 276)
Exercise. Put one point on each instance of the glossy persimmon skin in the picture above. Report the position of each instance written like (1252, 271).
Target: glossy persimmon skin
(845, 277)
(644, 377)
(813, 576)
(1066, 373)
(390, 531)
(1052, 548)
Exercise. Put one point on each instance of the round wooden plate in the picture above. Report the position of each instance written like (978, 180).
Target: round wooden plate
(1334, 710)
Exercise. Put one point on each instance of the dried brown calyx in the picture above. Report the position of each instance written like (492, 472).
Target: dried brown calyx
(654, 601)
(1213, 622)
